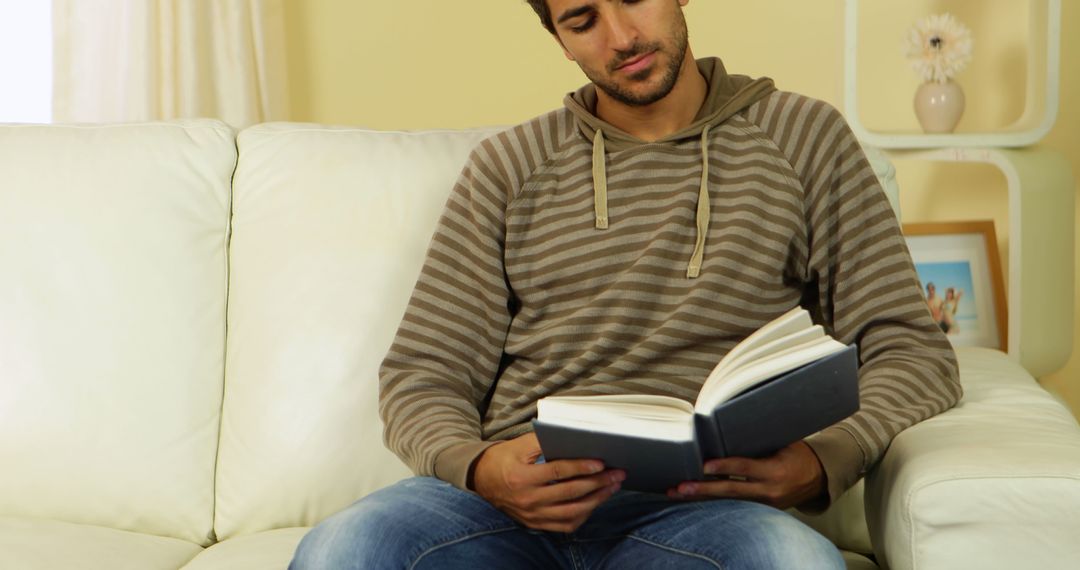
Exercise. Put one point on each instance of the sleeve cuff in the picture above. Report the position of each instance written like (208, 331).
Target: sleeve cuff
(454, 463)
(841, 458)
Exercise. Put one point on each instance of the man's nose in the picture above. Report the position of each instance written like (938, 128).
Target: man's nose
(622, 32)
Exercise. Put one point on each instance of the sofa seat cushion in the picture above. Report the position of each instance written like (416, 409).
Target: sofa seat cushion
(992, 482)
(268, 550)
(38, 544)
(855, 561)
(272, 550)
(960, 453)
(844, 523)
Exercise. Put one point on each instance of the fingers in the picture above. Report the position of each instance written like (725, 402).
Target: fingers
(557, 496)
(771, 468)
(744, 468)
(549, 498)
(566, 516)
(790, 477)
(564, 505)
(560, 495)
(573, 489)
(562, 469)
(568, 469)
(736, 478)
(527, 448)
(731, 489)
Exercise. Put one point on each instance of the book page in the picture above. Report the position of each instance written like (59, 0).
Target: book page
(775, 346)
(756, 372)
(653, 417)
(793, 321)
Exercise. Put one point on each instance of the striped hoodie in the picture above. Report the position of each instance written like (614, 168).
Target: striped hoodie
(575, 259)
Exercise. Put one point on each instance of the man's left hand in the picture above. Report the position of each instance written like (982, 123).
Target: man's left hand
(790, 477)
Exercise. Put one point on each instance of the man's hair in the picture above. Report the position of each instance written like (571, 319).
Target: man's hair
(542, 10)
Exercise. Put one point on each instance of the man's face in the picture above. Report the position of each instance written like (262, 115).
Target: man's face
(632, 50)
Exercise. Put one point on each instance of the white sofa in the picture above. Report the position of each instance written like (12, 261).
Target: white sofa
(191, 323)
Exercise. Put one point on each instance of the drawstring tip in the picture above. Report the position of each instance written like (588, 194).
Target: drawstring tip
(692, 272)
(601, 223)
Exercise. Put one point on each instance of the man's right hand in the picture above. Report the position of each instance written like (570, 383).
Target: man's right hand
(557, 496)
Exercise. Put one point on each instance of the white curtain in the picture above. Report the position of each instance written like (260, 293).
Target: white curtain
(139, 60)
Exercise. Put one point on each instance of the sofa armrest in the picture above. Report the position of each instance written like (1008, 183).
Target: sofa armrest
(991, 483)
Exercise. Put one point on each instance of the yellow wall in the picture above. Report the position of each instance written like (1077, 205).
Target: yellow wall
(427, 64)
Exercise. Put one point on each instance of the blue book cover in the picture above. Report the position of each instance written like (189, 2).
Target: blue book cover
(755, 422)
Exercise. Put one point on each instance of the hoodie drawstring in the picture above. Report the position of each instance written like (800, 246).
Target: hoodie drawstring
(599, 174)
(704, 209)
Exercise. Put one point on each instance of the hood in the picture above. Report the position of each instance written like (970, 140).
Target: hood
(726, 96)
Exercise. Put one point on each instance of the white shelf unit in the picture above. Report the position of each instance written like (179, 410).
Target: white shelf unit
(1041, 236)
(1041, 102)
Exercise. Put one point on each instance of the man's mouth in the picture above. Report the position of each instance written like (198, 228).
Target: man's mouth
(637, 63)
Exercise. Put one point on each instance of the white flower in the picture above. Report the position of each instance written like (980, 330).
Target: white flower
(939, 47)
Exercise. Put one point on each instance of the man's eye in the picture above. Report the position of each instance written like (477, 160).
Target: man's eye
(583, 26)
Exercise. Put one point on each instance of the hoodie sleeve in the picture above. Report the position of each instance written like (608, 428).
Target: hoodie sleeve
(862, 286)
(445, 357)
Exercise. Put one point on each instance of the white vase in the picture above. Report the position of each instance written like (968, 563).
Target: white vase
(939, 106)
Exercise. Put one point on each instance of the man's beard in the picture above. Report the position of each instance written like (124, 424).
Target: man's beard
(667, 81)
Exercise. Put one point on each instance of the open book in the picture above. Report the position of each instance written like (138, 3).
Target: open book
(782, 383)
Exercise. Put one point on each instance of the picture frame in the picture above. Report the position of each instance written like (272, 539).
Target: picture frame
(961, 257)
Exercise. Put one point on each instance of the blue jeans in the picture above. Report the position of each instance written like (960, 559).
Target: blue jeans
(424, 523)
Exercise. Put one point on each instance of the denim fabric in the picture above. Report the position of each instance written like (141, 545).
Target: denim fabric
(424, 523)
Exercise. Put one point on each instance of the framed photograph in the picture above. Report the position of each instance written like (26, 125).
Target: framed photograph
(960, 274)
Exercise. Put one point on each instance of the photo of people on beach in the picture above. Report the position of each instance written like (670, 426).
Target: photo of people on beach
(960, 275)
(949, 294)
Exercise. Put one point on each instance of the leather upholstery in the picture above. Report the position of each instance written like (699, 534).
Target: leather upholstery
(190, 336)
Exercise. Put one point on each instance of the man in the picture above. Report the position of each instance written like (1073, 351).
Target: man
(622, 245)
(936, 305)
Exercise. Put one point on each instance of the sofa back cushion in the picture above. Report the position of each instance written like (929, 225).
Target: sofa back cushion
(330, 229)
(112, 307)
